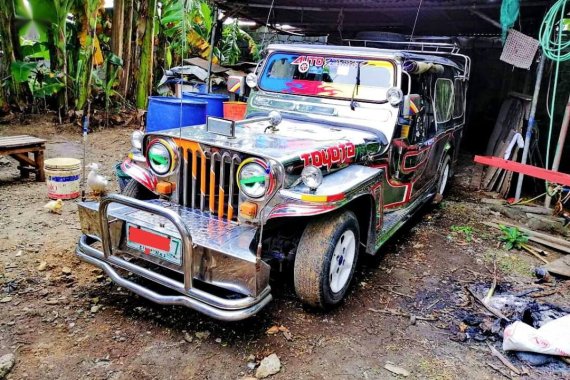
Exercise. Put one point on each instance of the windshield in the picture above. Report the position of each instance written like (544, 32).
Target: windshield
(327, 76)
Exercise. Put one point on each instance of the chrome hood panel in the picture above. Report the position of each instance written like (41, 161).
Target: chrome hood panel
(294, 140)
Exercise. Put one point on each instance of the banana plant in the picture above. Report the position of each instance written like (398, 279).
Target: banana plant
(109, 80)
(187, 25)
(89, 51)
(232, 34)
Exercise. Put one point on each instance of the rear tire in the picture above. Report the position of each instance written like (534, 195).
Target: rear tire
(443, 179)
(138, 191)
(326, 260)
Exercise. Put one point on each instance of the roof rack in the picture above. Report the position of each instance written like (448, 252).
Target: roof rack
(439, 48)
(415, 45)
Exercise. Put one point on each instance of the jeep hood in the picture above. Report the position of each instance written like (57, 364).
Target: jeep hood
(293, 140)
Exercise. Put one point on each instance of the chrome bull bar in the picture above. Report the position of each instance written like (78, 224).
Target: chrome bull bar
(172, 217)
(192, 297)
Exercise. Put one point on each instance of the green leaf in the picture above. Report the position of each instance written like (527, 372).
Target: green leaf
(115, 59)
(34, 50)
(47, 90)
(168, 57)
(21, 70)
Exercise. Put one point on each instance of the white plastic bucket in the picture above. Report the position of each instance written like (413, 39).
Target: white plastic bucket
(63, 177)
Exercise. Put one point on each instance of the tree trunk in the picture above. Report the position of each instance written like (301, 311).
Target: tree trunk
(90, 9)
(6, 38)
(144, 82)
(127, 46)
(117, 28)
(63, 8)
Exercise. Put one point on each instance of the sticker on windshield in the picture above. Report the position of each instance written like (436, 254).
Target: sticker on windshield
(343, 70)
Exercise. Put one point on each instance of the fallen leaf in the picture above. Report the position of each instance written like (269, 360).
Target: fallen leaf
(272, 330)
(396, 370)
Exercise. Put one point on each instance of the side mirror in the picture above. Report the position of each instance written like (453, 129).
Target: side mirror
(251, 80)
(236, 84)
(411, 105)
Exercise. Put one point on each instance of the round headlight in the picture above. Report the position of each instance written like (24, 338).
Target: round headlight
(251, 80)
(312, 177)
(137, 140)
(160, 157)
(394, 96)
(253, 179)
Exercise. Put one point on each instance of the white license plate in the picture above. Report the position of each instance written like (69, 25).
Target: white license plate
(154, 244)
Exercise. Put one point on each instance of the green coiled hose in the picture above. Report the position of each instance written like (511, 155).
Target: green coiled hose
(555, 49)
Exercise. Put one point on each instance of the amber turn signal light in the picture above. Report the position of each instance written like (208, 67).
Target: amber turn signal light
(248, 210)
(164, 188)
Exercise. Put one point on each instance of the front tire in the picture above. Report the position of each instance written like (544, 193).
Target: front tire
(326, 260)
(138, 191)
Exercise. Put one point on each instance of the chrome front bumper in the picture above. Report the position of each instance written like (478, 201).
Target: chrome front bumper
(214, 251)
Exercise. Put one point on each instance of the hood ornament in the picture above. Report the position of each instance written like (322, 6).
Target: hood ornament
(275, 119)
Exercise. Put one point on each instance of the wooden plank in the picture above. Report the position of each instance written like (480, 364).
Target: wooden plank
(16, 144)
(12, 140)
(532, 171)
(538, 237)
(21, 140)
(560, 266)
(22, 158)
(21, 150)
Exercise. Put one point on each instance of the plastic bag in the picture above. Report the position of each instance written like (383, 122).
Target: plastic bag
(553, 338)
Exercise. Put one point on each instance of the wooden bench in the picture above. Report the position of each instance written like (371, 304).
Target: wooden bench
(19, 147)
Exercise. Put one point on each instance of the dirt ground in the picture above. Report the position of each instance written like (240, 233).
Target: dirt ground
(63, 320)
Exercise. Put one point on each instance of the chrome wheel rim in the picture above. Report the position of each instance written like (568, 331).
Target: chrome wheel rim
(444, 176)
(341, 261)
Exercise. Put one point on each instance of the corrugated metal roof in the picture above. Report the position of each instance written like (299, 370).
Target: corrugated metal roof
(436, 17)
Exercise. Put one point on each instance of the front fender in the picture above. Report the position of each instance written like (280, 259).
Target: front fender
(337, 189)
(140, 174)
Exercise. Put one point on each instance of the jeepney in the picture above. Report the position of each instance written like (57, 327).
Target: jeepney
(341, 145)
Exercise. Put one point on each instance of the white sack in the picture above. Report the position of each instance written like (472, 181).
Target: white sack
(553, 338)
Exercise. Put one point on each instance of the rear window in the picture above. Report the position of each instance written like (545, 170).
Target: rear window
(326, 76)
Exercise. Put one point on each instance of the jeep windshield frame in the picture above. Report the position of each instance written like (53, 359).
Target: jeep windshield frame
(328, 76)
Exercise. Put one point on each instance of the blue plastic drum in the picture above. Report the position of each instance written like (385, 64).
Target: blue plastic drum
(166, 112)
(215, 102)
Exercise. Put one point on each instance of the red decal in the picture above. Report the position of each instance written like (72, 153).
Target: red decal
(334, 155)
(305, 157)
(340, 154)
(148, 239)
(316, 158)
(312, 61)
(350, 150)
(300, 59)
(326, 158)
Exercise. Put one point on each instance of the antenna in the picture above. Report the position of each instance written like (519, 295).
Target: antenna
(266, 24)
(85, 121)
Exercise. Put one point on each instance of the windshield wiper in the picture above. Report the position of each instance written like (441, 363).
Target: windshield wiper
(353, 103)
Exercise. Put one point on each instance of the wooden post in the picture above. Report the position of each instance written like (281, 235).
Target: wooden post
(40, 173)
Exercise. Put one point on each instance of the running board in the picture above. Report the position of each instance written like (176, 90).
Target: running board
(394, 220)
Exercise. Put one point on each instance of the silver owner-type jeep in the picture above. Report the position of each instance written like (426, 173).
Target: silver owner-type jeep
(341, 145)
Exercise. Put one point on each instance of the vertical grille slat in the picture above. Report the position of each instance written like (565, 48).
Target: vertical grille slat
(202, 181)
(208, 182)
(183, 190)
(194, 166)
(212, 181)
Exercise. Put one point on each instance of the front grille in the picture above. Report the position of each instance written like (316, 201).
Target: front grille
(208, 182)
